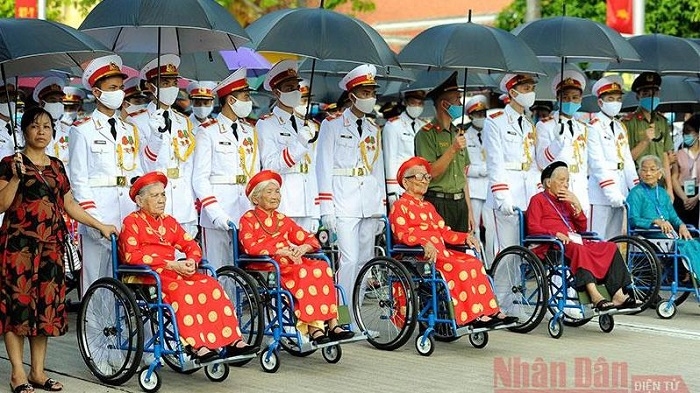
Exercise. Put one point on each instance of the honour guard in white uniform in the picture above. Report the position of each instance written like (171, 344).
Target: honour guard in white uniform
(398, 138)
(351, 175)
(168, 140)
(135, 100)
(225, 159)
(286, 147)
(202, 97)
(104, 156)
(477, 175)
(563, 138)
(509, 142)
(611, 167)
(7, 145)
(48, 93)
(72, 105)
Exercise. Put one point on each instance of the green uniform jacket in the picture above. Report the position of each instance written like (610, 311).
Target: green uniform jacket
(637, 124)
(431, 142)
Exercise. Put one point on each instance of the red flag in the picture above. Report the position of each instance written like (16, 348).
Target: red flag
(619, 16)
(25, 8)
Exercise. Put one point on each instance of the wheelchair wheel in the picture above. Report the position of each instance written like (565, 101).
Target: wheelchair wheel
(288, 320)
(385, 304)
(520, 285)
(151, 384)
(110, 331)
(644, 267)
(243, 292)
(572, 314)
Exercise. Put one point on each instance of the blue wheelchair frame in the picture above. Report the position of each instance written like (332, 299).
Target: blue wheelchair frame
(284, 301)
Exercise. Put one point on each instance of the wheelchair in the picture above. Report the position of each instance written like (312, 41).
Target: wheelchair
(513, 276)
(672, 264)
(117, 313)
(279, 321)
(397, 292)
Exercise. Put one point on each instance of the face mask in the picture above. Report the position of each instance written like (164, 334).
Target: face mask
(454, 111)
(535, 119)
(290, 98)
(689, 140)
(70, 116)
(202, 111)
(132, 108)
(300, 110)
(55, 109)
(414, 111)
(478, 122)
(242, 108)
(525, 100)
(365, 105)
(5, 111)
(611, 108)
(569, 108)
(111, 99)
(168, 95)
(649, 103)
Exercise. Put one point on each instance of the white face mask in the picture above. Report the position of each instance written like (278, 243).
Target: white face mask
(300, 110)
(526, 100)
(414, 111)
(5, 111)
(55, 109)
(365, 105)
(111, 99)
(478, 122)
(132, 108)
(168, 95)
(290, 98)
(610, 108)
(70, 116)
(242, 108)
(202, 111)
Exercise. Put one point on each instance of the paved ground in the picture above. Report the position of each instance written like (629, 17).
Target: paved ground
(642, 354)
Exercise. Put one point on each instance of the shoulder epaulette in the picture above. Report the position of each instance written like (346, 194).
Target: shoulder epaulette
(428, 127)
(265, 116)
(82, 121)
(249, 121)
(594, 120)
(208, 123)
(333, 117)
(546, 119)
(393, 118)
(138, 112)
(496, 114)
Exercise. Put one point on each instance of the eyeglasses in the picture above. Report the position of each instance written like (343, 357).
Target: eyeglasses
(420, 176)
(648, 170)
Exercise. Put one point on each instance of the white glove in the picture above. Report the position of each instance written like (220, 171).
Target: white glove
(156, 122)
(305, 134)
(329, 222)
(222, 223)
(617, 201)
(506, 208)
(483, 172)
(313, 227)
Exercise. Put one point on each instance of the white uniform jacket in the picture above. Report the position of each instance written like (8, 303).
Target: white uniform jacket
(477, 175)
(7, 145)
(555, 142)
(59, 144)
(290, 154)
(350, 167)
(510, 158)
(611, 167)
(101, 168)
(223, 165)
(170, 153)
(398, 142)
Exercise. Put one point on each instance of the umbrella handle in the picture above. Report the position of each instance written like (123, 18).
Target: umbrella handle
(9, 108)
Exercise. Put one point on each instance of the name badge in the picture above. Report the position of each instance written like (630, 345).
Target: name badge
(689, 187)
(344, 136)
(225, 143)
(575, 238)
(285, 134)
(511, 133)
(100, 142)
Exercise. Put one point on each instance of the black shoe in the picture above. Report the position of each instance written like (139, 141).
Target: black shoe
(317, 337)
(206, 357)
(479, 324)
(509, 320)
(233, 350)
(338, 333)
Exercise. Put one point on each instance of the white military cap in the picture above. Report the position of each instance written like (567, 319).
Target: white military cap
(282, 71)
(360, 76)
(571, 79)
(102, 67)
(509, 81)
(607, 84)
(168, 67)
(234, 82)
(48, 85)
(201, 89)
(478, 102)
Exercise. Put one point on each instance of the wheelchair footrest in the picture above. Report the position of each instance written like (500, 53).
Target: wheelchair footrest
(308, 346)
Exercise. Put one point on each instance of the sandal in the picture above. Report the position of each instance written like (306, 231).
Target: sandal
(23, 388)
(338, 333)
(50, 385)
(235, 350)
(506, 320)
(317, 337)
(202, 358)
(604, 305)
(480, 323)
(630, 302)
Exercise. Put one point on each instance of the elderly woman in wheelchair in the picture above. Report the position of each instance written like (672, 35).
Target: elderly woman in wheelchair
(204, 314)
(265, 231)
(650, 208)
(415, 222)
(557, 212)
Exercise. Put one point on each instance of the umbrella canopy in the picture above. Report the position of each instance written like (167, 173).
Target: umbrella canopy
(428, 79)
(320, 34)
(254, 63)
(470, 46)
(198, 66)
(678, 94)
(340, 68)
(184, 26)
(575, 39)
(663, 54)
(29, 46)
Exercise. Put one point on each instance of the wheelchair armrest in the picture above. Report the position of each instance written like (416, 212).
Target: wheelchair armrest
(134, 269)
(590, 235)
(402, 248)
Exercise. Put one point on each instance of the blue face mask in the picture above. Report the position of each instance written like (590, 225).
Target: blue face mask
(649, 103)
(569, 108)
(689, 140)
(455, 111)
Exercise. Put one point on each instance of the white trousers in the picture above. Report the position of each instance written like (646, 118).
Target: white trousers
(501, 231)
(304, 222)
(97, 261)
(477, 210)
(607, 221)
(356, 247)
(217, 247)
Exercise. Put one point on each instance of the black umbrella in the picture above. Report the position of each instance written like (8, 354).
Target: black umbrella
(470, 46)
(678, 94)
(663, 54)
(201, 66)
(32, 45)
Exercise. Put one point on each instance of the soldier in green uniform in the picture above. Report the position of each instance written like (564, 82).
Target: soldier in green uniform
(444, 146)
(647, 130)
